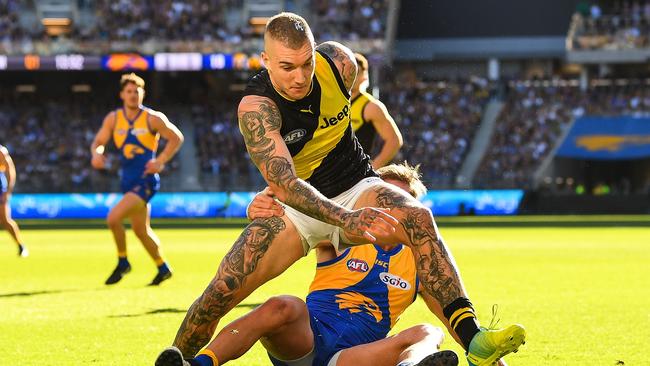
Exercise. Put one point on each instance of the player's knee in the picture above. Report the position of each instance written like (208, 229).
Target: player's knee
(280, 310)
(113, 220)
(421, 333)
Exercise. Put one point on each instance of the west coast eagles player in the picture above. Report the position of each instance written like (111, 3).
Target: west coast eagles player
(7, 181)
(135, 130)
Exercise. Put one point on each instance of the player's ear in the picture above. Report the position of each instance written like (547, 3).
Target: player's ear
(265, 59)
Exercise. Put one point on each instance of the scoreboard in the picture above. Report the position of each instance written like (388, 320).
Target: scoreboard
(132, 62)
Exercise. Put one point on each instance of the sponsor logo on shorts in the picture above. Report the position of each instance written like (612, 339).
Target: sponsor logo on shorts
(357, 265)
(294, 136)
(394, 281)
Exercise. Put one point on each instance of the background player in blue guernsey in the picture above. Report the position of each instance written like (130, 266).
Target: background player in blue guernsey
(295, 120)
(354, 300)
(136, 130)
(7, 182)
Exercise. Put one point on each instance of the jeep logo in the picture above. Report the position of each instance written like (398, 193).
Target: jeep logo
(294, 136)
(334, 120)
(394, 281)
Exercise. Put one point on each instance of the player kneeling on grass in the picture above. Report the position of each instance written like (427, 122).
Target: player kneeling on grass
(354, 300)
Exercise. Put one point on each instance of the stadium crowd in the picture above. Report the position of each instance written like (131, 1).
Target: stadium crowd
(535, 115)
(438, 120)
(618, 26)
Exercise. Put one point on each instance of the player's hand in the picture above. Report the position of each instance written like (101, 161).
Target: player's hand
(263, 205)
(153, 166)
(370, 223)
(98, 161)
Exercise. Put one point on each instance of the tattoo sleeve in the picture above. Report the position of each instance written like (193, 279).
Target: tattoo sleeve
(260, 128)
(344, 60)
(242, 260)
(436, 268)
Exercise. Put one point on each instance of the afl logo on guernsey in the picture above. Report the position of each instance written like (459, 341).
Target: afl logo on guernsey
(294, 136)
(394, 281)
(357, 265)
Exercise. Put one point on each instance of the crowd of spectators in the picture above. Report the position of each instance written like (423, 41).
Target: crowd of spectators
(623, 25)
(438, 120)
(343, 19)
(534, 117)
(140, 20)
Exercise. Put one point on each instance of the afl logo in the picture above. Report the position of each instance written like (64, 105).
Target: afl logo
(394, 281)
(357, 265)
(294, 136)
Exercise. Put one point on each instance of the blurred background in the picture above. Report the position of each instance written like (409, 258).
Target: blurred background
(509, 107)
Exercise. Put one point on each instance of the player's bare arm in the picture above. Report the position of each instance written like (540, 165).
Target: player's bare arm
(260, 123)
(377, 114)
(102, 137)
(344, 60)
(10, 168)
(168, 131)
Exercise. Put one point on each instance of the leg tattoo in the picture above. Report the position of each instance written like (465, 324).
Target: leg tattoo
(219, 297)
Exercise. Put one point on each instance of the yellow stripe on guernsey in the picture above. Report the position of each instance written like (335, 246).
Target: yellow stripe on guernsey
(139, 129)
(333, 120)
(402, 264)
(356, 109)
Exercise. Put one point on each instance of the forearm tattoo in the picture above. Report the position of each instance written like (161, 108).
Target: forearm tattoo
(436, 270)
(254, 126)
(200, 322)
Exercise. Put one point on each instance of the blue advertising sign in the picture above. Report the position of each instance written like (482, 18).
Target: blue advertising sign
(487, 202)
(233, 204)
(607, 138)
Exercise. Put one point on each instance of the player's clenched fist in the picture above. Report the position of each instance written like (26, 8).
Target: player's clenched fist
(264, 205)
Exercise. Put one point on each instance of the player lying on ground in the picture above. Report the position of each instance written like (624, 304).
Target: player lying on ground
(353, 302)
(7, 182)
(295, 121)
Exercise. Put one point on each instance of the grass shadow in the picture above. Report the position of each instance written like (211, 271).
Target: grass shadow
(32, 293)
(173, 311)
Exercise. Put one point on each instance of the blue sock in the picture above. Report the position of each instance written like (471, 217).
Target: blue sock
(203, 360)
(122, 262)
(163, 268)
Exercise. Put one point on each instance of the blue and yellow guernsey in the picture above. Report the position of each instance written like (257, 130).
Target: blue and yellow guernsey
(138, 144)
(358, 297)
(317, 130)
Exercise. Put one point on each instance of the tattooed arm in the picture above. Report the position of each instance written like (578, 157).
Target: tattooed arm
(343, 59)
(259, 123)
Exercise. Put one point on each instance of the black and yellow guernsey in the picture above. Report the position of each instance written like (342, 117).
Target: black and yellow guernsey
(364, 130)
(317, 130)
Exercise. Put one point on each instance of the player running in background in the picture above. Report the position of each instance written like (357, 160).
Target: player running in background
(7, 182)
(369, 118)
(135, 130)
(354, 300)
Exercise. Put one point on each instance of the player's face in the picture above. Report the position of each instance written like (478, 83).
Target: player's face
(132, 96)
(291, 71)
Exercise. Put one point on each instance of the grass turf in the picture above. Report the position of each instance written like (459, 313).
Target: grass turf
(582, 293)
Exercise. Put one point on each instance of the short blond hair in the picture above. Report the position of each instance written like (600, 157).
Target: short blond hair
(409, 175)
(290, 29)
(131, 78)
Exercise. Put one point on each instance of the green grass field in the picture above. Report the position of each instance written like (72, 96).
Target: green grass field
(582, 293)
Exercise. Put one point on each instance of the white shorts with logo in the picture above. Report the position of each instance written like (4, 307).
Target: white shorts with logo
(313, 231)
